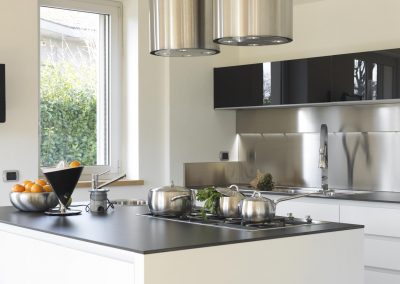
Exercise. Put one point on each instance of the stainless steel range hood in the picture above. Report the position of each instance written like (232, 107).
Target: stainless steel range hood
(253, 22)
(182, 28)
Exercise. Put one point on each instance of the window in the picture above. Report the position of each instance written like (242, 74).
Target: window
(80, 83)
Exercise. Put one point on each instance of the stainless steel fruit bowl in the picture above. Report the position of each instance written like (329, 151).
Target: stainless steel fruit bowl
(33, 202)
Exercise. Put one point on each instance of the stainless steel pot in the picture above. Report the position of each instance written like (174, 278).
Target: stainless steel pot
(259, 209)
(170, 200)
(228, 206)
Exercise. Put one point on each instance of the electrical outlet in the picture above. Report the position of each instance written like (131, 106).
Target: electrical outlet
(224, 156)
(10, 175)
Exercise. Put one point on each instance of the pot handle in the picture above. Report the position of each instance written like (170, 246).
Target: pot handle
(259, 195)
(234, 186)
(292, 197)
(180, 197)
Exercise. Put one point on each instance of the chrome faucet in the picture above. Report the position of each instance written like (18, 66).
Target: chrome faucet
(95, 180)
(323, 157)
(99, 202)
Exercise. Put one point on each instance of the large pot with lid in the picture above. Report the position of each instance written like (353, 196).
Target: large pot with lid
(259, 209)
(170, 200)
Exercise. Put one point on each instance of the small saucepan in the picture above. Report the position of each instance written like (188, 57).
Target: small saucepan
(228, 204)
(259, 209)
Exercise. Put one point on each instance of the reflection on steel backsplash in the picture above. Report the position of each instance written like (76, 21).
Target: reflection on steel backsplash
(364, 161)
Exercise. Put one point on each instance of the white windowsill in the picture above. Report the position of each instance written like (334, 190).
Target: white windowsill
(123, 182)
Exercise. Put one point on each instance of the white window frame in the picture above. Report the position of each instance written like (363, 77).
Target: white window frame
(114, 9)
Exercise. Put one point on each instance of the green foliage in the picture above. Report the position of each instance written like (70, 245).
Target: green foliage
(266, 183)
(210, 196)
(67, 114)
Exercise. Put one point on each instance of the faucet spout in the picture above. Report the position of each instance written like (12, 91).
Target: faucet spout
(95, 180)
(111, 181)
(323, 156)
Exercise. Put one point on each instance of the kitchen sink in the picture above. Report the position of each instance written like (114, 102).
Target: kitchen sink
(129, 202)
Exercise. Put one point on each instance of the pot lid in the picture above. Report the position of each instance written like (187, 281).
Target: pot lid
(230, 191)
(171, 188)
(256, 196)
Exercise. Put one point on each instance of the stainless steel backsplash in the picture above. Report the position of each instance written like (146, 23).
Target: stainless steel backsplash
(363, 148)
(210, 174)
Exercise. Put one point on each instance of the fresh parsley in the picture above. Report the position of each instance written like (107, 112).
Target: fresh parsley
(210, 197)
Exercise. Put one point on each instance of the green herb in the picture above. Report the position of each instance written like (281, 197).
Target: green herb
(210, 197)
(266, 183)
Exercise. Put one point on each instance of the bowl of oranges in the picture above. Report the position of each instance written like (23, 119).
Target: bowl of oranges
(33, 196)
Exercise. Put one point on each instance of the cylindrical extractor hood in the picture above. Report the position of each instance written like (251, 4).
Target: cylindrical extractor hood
(253, 22)
(182, 28)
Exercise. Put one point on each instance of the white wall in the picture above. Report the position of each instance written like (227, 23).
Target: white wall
(197, 132)
(177, 101)
(19, 51)
(175, 119)
(177, 122)
(326, 27)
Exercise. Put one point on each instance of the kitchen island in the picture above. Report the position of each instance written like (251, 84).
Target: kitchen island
(124, 247)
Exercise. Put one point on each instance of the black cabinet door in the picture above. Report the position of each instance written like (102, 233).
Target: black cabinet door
(238, 86)
(340, 78)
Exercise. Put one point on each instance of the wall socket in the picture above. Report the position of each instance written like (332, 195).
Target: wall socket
(11, 175)
(224, 156)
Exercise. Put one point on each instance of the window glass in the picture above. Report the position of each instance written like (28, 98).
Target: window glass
(74, 100)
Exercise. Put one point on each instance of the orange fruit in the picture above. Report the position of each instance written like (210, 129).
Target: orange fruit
(41, 182)
(18, 188)
(36, 188)
(74, 164)
(28, 186)
(48, 188)
(26, 181)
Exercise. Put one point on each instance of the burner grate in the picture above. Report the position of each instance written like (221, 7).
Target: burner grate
(278, 222)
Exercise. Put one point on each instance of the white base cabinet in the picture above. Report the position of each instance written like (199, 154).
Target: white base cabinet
(382, 238)
(29, 256)
(382, 230)
(374, 276)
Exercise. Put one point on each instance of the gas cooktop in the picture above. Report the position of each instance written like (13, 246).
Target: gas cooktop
(278, 222)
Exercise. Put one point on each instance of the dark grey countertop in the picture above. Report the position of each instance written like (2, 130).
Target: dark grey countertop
(383, 196)
(123, 228)
(377, 196)
(369, 196)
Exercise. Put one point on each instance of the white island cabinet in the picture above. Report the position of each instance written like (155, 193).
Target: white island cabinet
(382, 228)
(31, 256)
